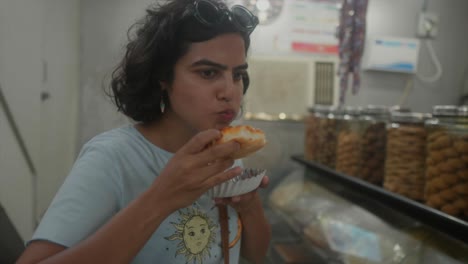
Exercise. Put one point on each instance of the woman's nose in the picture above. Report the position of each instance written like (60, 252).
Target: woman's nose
(228, 90)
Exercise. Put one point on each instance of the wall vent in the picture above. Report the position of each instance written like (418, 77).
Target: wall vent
(288, 86)
(324, 83)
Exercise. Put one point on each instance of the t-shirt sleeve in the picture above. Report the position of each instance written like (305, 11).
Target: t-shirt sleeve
(88, 198)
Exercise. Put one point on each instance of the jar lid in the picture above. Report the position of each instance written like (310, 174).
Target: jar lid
(410, 117)
(399, 108)
(352, 110)
(376, 110)
(323, 109)
(463, 110)
(450, 110)
(335, 113)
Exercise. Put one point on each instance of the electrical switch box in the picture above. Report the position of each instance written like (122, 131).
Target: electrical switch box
(391, 54)
(428, 25)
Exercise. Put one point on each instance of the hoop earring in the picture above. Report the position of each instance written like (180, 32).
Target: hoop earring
(162, 106)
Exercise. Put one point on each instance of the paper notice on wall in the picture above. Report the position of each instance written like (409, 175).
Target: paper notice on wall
(311, 26)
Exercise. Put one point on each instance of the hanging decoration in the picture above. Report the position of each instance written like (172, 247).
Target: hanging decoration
(351, 35)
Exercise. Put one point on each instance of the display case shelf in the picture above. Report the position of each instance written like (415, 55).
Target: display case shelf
(444, 223)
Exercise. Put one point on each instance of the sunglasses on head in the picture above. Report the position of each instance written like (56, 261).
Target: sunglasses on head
(209, 14)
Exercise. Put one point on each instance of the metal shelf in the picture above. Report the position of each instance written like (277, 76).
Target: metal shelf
(440, 221)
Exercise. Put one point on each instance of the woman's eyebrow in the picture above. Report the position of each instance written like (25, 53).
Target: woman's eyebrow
(205, 62)
(242, 67)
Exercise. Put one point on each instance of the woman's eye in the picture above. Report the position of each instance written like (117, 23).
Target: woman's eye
(208, 74)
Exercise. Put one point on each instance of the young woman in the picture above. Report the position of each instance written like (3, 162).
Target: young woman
(136, 194)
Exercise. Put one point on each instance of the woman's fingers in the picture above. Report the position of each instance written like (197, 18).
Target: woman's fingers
(209, 170)
(217, 152)
(203, 153)
(265, 181)
(223, 176)
(199, 142)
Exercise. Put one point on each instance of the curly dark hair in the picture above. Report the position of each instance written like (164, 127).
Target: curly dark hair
(160, 39)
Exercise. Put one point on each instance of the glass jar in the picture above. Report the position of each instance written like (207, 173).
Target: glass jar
(399, 108)
(327, 138)
(316, 113)
(447, 160)
(373, 143)
(348, 146)
(406, 154)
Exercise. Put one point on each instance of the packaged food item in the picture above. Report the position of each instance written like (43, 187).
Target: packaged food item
(373, 143)
(288, 190)
(447, 160)
(358, 236)
(312, 121)
(286, 193)
(327, 138)
(348, 160)
(406, 154)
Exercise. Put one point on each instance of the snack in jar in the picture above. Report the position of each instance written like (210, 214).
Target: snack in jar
(312, 121)
(447, 160)
(327, 138)
(406, 154)
(348, 159)
(373, 143)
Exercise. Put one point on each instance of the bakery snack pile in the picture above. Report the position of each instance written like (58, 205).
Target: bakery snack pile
(348, 160)
(373, 144)
(447, 172)
(405, 160)
(326, 142)
(250, 139)
(311, 137)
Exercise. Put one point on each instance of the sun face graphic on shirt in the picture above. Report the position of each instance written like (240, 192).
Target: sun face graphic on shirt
(196, 233)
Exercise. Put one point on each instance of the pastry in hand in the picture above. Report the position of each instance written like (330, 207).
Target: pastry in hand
(250, 139)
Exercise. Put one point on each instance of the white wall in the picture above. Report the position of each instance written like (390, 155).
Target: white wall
(104, 26)
(38, 52)
(398, 18)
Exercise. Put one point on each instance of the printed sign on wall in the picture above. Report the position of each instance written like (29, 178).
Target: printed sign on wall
(312, 26)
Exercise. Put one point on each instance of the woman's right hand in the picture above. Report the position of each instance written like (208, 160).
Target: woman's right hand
(196, 168)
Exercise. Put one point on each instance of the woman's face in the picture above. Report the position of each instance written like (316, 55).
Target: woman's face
(207, 89)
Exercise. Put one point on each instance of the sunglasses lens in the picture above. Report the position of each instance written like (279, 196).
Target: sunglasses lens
(243, 17)
(208, 12)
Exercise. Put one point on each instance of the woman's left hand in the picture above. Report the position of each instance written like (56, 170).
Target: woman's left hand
(242, 202)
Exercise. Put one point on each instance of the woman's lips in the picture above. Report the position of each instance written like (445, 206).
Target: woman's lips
(227, 116)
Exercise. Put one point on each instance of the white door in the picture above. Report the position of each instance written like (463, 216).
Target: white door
(21, 81)
(59, 103)
(39, 55)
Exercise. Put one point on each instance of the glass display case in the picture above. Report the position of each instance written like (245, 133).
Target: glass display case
(319, 215)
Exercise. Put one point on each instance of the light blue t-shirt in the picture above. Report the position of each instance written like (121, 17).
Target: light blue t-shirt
(113, 169)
